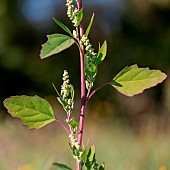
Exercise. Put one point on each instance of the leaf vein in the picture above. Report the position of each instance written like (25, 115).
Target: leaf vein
(24, 107)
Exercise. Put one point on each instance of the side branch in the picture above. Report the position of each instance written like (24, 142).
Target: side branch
(65, 128)
(103, 85)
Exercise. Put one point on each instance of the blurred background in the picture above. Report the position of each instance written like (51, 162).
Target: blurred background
(129, 133)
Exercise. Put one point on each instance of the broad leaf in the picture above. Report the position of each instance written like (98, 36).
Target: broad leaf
(62, 166)
(34, 112)
(133, 80)
(90, 25)
(80, 16)
(64, 27)
(55, 44)
(102, 53)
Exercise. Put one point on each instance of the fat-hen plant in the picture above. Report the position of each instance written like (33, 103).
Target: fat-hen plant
(36, 112)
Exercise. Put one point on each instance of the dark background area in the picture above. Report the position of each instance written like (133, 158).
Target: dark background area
(137, 32)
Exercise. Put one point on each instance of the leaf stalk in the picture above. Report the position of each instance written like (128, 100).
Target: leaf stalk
(65, 128)
(98, 88)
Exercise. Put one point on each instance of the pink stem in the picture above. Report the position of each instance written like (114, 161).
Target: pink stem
(83, 100)
(65, 128)
(83, 92)
(103, 85)
(88, 93)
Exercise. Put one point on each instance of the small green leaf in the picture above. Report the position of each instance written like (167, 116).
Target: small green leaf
(90, 158)
(80, 16)
(72, 92)
(63, 102)
(90, 25)
(64, 27)
(133, 80)
(84, 155)
(74, 124)
(90, 72)
(101, 53)
(102, 166)
(75, 151)
(61, 166)
(34, 112)
(55, 44)
(91, 153)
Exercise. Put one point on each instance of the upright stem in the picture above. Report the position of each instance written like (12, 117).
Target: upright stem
(83, 92)
(83, 99)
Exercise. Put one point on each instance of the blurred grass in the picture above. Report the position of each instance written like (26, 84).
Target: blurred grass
(129, 134)
(116, 144)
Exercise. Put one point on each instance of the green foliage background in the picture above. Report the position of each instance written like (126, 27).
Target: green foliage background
(136, 32)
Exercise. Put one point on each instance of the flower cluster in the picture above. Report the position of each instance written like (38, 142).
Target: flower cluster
(77, 150)
(73, 141)
(90, 62)
(67, 94)
(72, 12)
(88, 47)
(75, 34)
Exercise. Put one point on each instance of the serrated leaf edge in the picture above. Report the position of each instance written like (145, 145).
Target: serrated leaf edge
(42, 46)
(52, 119)
(133, 66)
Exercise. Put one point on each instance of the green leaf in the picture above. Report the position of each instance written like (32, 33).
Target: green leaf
(63, 102)
(102, 166)
(84, 154)
(101, 53)
(90, 158)
(80, 16)
(133, 80)
(61, 166)
(55, 44)
(64, 27)
(90, 72)
(75, 151)
(91, 154)
(90, 25)
(72, 92)
(74, 124)
(34, 112)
